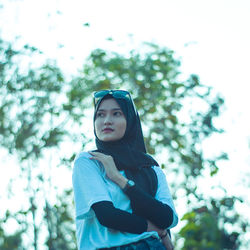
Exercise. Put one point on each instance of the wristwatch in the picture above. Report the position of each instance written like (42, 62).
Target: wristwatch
(129, 184)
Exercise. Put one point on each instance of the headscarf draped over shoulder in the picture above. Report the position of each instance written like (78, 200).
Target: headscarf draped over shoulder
(129, 152)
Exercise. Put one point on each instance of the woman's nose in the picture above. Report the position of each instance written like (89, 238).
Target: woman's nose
(108, 120)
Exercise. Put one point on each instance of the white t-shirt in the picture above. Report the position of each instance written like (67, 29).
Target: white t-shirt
(91, 185)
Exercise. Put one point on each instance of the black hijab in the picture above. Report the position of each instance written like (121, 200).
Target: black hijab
(129, 152)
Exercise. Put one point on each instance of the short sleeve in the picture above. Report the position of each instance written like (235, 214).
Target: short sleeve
(88, 185)
(163, 193)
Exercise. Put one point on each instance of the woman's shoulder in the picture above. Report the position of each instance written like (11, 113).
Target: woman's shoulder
(82, 158)
(161, 175)
(158, 170)
(83, 162)
(84, 155)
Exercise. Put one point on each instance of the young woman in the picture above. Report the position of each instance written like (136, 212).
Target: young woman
(121, 194)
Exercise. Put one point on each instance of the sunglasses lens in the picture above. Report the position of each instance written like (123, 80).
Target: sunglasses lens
(99, 95)
(121, 94)
(115, 93)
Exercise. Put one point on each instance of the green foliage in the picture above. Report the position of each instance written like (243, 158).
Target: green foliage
(152, 76)
(28, 103)
(60, 223)
(178, 116)
(10, 241)
(203, 229)
(32, 122)
(39, 111)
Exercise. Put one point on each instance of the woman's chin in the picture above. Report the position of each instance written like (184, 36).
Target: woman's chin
(110, 138)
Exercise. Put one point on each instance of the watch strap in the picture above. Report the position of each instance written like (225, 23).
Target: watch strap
(129, 184)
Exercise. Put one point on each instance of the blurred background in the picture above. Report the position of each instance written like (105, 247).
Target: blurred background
(186, 64)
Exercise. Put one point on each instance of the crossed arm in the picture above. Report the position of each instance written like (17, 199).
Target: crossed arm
(152, 218)
(150, 214)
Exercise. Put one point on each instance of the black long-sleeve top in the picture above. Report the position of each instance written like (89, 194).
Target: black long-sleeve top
(145, 208)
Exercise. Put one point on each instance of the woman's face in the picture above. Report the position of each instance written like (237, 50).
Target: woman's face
(110, 122)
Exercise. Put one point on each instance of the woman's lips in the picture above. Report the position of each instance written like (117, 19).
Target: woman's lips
(107, 130)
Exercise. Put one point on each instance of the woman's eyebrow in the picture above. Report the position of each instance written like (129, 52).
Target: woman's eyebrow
(108, 109)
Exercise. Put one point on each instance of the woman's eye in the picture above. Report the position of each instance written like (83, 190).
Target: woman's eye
(100, 115)
(117, 113)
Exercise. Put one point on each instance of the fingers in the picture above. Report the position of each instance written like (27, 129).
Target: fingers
(108, 164)
(95, 155)
(104, 159)
(100, 155)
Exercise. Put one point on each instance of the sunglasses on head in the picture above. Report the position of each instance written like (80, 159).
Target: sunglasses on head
(120, 94)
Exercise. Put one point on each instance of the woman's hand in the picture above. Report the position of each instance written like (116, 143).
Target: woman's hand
(110, 168)
(152, 227)
(166, 241)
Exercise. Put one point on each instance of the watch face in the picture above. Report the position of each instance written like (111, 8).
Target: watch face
(131, 183)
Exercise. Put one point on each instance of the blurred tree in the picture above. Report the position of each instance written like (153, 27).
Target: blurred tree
(9, 241)
(207, 226)
(60, 223)
(178, 116)
(40, 123)
(33, 125)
